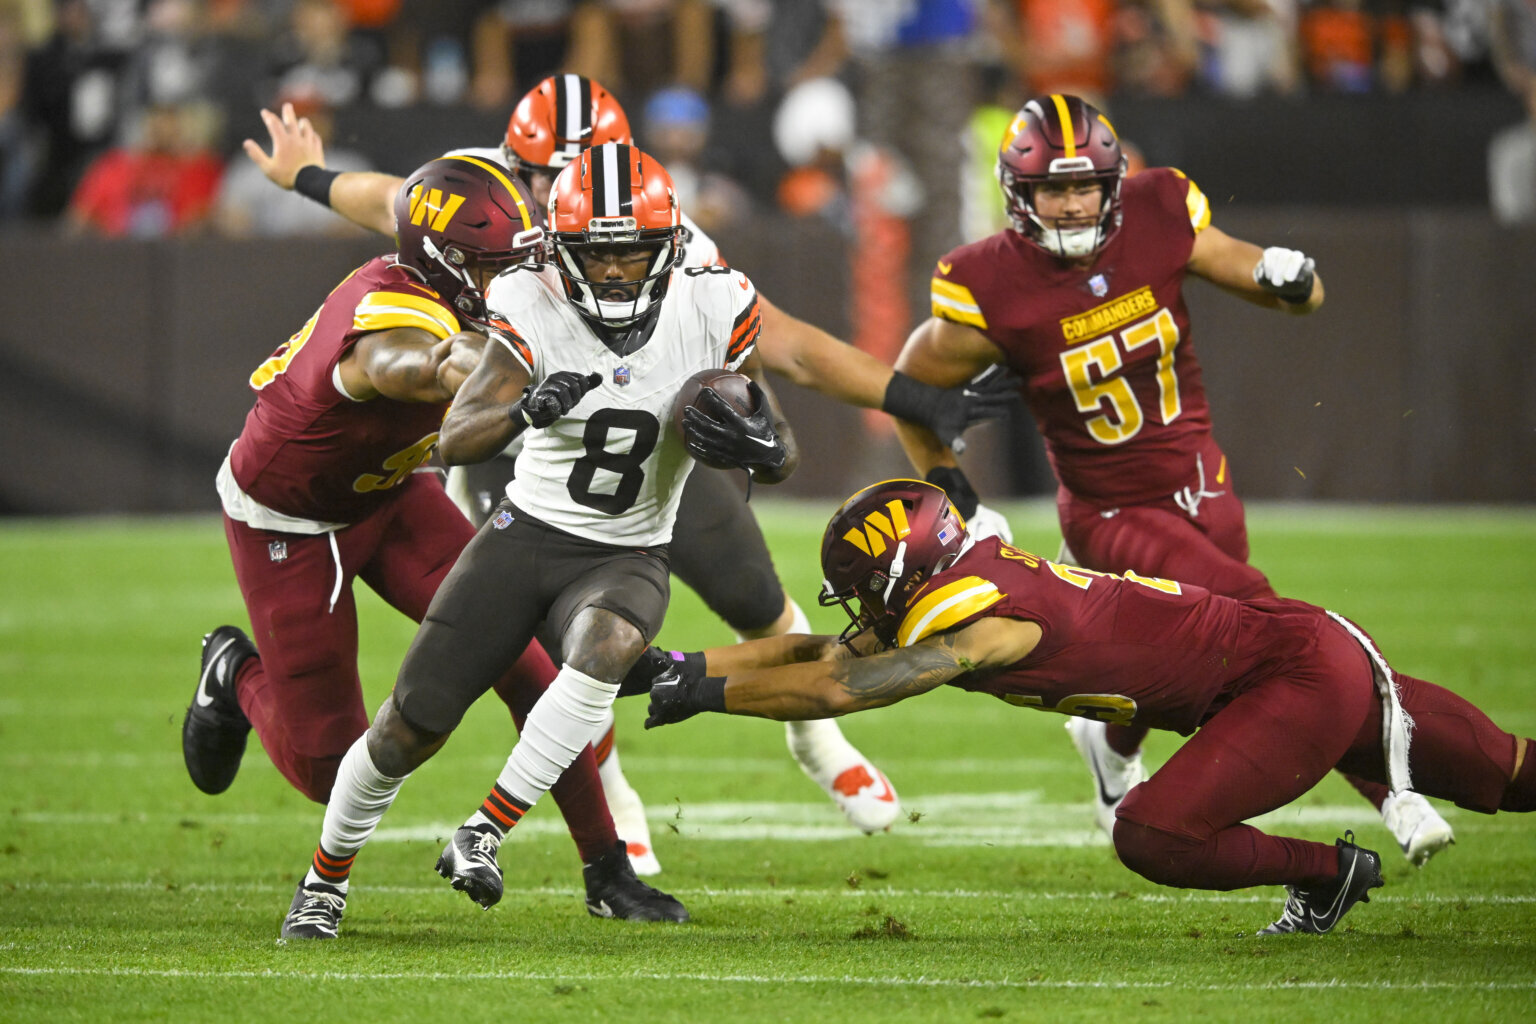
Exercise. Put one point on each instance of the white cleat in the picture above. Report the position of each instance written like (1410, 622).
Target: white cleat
(860, 790)
(1113, 775)
(1417, 826)
(628, 816)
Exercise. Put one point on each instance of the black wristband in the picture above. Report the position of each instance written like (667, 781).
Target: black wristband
(910, 399)
(959, 489)
(692, 662)
(314, 182)
(517, 414)
(709, 694)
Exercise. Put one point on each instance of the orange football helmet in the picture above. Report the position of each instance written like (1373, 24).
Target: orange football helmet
(615, 197)
(883, 543)
(557, 119)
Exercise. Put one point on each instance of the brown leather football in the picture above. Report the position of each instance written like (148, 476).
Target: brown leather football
(731, 386)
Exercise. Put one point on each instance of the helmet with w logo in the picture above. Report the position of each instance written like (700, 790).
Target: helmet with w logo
(1059, 138)
(557, 119)
(884, 543)
(615, 202)
(460, 221)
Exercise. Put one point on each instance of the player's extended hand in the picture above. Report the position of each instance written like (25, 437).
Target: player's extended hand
(555, 396)
(682, 692)
(1285, 273)
(988, 522)
(725, 436)
(295, 144)
(650, 666)
(949, 411)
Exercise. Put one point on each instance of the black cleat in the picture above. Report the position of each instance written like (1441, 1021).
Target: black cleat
(214, 731)
(1316, 911)
(469, 863)
(315, 912)
(614, 891)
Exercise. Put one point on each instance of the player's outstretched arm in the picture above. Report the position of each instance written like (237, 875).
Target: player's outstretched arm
(1275, 278)
(480, 423)
(828, 688)
(408, 364)
(812, 358)
(366, 198)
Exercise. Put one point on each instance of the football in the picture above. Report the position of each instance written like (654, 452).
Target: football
(731, 386)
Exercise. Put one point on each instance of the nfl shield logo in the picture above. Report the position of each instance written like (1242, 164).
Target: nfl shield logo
(501, 520)
(278, 551)
(1099, 286)
(621, 375)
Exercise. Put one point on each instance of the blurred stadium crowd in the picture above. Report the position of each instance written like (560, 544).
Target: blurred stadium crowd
(117, 117)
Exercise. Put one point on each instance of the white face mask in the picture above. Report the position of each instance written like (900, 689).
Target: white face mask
(1068, 243)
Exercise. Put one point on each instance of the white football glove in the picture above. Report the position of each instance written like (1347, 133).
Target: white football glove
(1286, 273)
(988, 522)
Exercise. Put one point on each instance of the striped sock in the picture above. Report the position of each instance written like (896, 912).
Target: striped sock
(329, 869)
(499, 812)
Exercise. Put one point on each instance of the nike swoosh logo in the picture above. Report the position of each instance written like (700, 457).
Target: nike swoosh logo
(744, 285)
(765, 444)
(945, 268)
(203, 697)
(889, 795)
(1328, 915)
(1098, 778)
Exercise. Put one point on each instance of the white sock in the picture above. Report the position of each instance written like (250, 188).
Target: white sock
(358, 801)
(814, 744)
(563, 721)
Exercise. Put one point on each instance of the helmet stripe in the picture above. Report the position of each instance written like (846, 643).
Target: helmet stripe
(573, 110)
(1068, 133)
(506, 182)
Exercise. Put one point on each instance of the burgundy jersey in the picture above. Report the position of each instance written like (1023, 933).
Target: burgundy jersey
(1104, 351)
(1120, 649)
(310, 451)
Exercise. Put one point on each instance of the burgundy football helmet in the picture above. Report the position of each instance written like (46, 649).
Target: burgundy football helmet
(614, 196)
(556, 120)
(460, 221)
(884, 543)
(1060, 138)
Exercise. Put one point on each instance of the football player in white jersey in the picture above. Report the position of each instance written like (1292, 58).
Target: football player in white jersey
(591, 354)
(550, 126)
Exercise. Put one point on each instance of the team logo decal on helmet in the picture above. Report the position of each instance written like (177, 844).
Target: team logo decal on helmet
(880, 546)
(1061, 138)
(460, 221)
(614, 197)
(560, 117)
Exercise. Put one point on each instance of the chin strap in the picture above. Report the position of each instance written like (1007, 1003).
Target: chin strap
(898, 566)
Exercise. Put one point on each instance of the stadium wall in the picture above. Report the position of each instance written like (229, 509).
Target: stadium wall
(123, 365)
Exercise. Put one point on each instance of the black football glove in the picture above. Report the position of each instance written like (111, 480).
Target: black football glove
(555, 396)
(726, 437)
(681, 692)
(961, 494)
(652, 664)
(948, 412)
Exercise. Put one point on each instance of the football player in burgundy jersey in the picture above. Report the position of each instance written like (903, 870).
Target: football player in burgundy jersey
(1275, 692)
(608, 333)
(550, 126)
(321, 489)
(1082, 298)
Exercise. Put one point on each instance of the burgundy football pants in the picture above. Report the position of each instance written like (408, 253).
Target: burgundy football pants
(1274, 741)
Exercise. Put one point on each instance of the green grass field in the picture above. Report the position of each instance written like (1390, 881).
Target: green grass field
(127, 895)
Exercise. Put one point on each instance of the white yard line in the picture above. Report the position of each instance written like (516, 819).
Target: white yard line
(883, 981)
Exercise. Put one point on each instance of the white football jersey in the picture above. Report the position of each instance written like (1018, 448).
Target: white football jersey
(612, 469)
